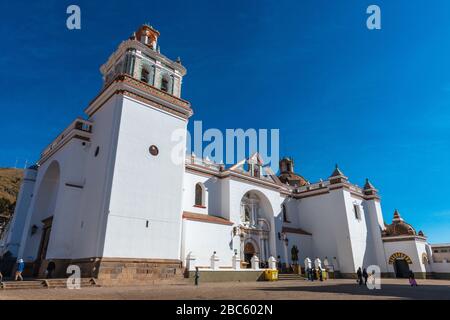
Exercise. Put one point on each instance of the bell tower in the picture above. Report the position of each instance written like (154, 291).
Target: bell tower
(140, 121)
(140, 58)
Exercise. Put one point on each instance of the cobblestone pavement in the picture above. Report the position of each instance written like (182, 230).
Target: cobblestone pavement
(299, 289)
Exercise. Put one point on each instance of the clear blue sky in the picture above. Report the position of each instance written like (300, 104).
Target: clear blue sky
(376, 102)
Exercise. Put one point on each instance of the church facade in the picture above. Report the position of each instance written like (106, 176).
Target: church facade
(107, 196)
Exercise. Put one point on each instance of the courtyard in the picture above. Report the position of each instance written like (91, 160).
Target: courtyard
(341, 289)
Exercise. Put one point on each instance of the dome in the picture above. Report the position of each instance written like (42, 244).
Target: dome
(292, 179)
(399, 227)
(287, 174)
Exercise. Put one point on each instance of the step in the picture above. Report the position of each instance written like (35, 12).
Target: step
(62, 283)
(31, 284)
(290, 277)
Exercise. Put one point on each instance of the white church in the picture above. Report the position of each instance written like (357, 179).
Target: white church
(105, 195)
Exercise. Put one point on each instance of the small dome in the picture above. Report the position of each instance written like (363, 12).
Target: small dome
(287, 174)
(399, 227)
(293, 179)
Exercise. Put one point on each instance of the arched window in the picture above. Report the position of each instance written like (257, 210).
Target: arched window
(284, 212)
(199, 195)
(165, 84)
(144, 75)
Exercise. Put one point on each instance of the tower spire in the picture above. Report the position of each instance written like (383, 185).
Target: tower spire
(337, 176)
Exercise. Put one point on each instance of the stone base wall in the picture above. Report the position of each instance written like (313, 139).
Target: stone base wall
(117, 270)
(440, 275)
(223, 276)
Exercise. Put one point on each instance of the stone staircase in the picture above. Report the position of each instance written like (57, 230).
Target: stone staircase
(45, 284)
(62, 283)
(290, 276)
(27, 284)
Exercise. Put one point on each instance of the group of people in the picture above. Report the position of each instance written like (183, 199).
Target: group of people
(362, 275)
(314, 274)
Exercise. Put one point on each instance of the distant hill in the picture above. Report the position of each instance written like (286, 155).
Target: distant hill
(10, 180)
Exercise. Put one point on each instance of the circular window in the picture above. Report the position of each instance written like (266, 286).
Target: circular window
(153, 150)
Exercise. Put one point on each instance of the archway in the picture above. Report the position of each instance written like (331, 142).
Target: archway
(401, 268)
(400, 262)
(42, 218)
(256, 227)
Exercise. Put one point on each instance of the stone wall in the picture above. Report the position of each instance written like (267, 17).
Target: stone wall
(118, 270)
(225, 275)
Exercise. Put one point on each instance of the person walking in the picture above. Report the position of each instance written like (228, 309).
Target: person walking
(19, 270)
(359, 275)
(365, 276)
(412, 280)
(196, 276)
(320, 273)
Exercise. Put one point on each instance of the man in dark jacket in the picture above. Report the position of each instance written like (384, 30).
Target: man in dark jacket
(365, 276)
(359, 275)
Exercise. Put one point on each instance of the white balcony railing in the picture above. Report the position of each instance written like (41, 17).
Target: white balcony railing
(80, 126)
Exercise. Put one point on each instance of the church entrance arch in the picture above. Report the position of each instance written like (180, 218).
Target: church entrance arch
(250, 249)
(401, 268)
(401, 263)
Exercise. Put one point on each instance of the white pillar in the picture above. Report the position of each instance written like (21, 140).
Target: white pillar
(214, 261)
(236, 262)
(255, 262)
(272, 263)
(261, 245)
(191, 262)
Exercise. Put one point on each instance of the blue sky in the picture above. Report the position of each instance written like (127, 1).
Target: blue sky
(376, 102)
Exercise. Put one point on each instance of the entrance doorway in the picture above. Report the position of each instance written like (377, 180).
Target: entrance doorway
(42, 253)
(249, 251)
(401, 268)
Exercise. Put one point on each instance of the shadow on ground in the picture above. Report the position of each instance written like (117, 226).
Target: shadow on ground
(429, 292)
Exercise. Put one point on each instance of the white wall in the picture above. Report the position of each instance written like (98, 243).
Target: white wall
(189, 183)
(203, 238)
(412, 248)
(145, 187)
(57, 200)
(374, 218)
(325, 216)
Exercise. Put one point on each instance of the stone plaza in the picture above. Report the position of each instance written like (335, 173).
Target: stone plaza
(336, 289)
